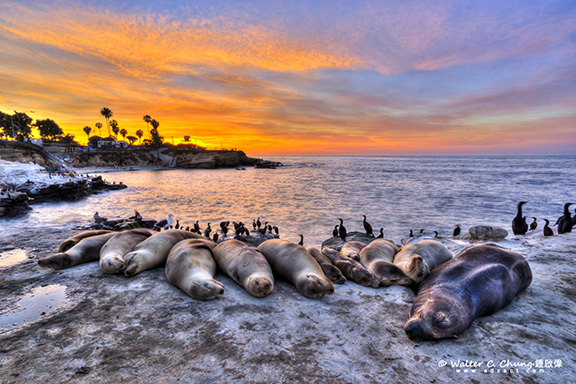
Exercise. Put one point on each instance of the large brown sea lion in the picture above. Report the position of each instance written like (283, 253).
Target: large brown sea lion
(416, 260)
(191, 267)
(112, 253)
(477, 282)
(351, 269)
(72, 241)
(246, 266)
(85, 251)
(330, 270)
(377, 257)
(352, 249)
(293, 262)
(152, 252)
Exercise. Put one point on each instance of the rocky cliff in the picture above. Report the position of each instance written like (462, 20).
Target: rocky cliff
(25, 153)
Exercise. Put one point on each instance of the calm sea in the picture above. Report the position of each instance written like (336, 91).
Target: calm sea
(309, 194)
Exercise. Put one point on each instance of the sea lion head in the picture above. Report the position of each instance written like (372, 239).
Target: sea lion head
(436, 319)
(206, 289)
(259, 286)
(113, 264)
(417, 269)
(131, 265)
(55, 261)
(390, 274)
(314, 286)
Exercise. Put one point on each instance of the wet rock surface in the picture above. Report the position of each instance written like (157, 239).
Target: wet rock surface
(142, 329)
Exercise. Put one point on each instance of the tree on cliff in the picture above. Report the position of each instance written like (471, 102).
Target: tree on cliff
(87, 130)
(139, 133)
(48, 129)
(147, 119)
(99, 126)
(115, 128)
(157, 139)
(107, 113)
(22, 124)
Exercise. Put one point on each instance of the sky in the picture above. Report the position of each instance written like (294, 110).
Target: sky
(302, 77)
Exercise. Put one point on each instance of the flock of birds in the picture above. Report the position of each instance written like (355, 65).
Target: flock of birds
(240, 228)
(565, 222)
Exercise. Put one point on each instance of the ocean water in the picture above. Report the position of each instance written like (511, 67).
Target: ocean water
(309, 194)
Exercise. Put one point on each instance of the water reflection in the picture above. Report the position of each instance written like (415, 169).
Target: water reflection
(12, 257)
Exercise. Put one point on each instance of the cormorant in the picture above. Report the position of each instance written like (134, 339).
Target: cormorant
(565, 222)
(519, 226)
(177, 226)
(411, 234)
(207, 231)
(275, 229)
(301, 242)
(381, 235)
(367, 227)
(533, 224)
(342, 230)
(215, 237)
(335, 231)
(456, 231)
(547, 230)
(254, 224)
(258, 223)
(197, 227)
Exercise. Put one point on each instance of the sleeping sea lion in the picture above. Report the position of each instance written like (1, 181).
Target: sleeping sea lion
(377, 257)
(418, 259)
(330, 270)
(112, 253)
(85, 251)
(191, 267)
(72, 241)
(352, 249)
(152, 252)
(477, 282)
(246, 266)
(351, 269)
(293, 262)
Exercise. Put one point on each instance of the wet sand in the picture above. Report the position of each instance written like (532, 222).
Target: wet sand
(142, 329)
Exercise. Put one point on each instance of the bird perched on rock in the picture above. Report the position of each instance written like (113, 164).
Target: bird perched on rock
(335, 231)
(342, 230)
(367, 227)
(519, 225)
(456, 231)
(164, 224)
(565, 221)
(177, 226)
(301, 242)
(99, 219)
(533, 224)
(207, 231)
(381, 235)
(547, 230)
(137, 216)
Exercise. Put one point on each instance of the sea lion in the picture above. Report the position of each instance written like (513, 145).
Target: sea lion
(293, 262)
(72, 241)
(330, 270)
(246, 266)
(191, 267)
(479, 281)
(377, 257)
(112, 253)
(352, 249)
(351, 269)
(153, 252)
(85, 251)
(418, 259)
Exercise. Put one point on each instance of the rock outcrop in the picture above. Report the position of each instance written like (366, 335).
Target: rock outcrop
(25, 153)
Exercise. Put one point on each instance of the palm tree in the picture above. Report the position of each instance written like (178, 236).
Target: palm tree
(139, 133)
(123, 132)
(99, 126)
(147, 119)
(107, 113)
(87, 130)
(115, 128)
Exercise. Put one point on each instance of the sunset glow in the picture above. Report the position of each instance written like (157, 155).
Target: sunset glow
(302, 77)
